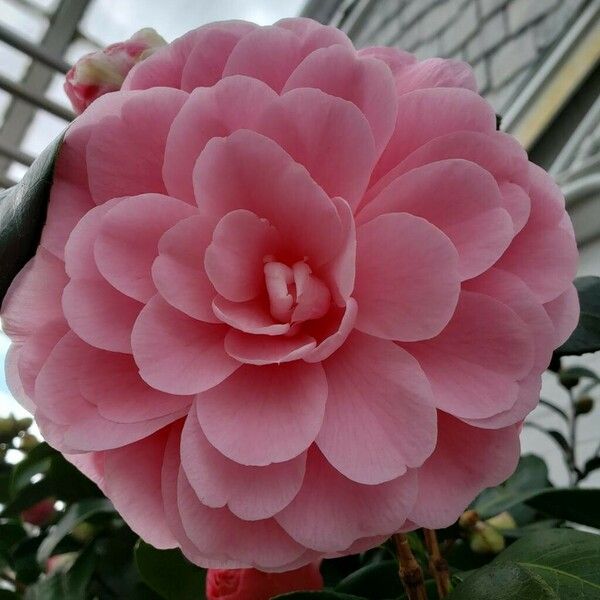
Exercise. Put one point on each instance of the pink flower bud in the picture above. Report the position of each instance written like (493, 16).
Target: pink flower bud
(104, 71)
(250, 584)
(39, 514)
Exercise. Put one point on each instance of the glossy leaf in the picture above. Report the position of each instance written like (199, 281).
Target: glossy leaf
(376, 581)
(37, 461)
(23, 214)
(576, 505)
(169, 573)
(77, 513)
(559, 563)
(531, 476)
(586, 337)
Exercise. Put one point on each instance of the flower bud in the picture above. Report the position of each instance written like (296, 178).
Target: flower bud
(567, 380)
(250, 584)
(584, 405)
(104, 71)
(60, 562)
(468, 519)
(39, 514)
(503, 521)
(486, 539)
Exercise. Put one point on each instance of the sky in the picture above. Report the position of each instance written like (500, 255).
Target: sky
(109, 21)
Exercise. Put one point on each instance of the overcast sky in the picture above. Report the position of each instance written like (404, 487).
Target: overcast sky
(108, 21)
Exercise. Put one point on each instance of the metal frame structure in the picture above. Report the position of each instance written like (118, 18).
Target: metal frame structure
(29, 95)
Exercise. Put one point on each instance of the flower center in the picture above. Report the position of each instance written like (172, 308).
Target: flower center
(295, 294)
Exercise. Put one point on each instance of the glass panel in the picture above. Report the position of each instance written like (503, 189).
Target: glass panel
(13, 64)
(24, 20)
(107, 24)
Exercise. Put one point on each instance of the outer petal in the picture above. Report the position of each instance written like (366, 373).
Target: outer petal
(264, 415)
(433, 73)
(251, 493)
(144, 218)
(133, 483)
(497, 153)
(217, 532)
(314, 35)
(510, 290)
(564, 313)
(466, 460)
(407, 280)
(165, 67)
(329, 136)
(248, 170)
(99, 314)
(331, 512)
(134, 165)
(366, 82)
(268, 53)
(430, 113)
(475, 363)
(379, 417)
(33, 299)
(459, 198)
(112, 382)
(232, 103)
(177, 354)
(544, 253)
(178, 271)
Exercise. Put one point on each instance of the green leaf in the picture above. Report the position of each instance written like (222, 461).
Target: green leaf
(376, 581)
(37, 461)
(586, 337)
(318, 596)
(169, 573)
(23, 214)
(28, 496)
(573, 504)
(531, 476)
(554, 564)
(77, 513)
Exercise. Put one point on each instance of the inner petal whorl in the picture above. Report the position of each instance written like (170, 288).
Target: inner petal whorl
(295, 294)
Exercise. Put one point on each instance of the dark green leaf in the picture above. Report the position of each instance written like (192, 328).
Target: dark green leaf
(591, 465)
(586, 337)
(377, 581)
(37, 461)
(6, 595)
(531, 476)
(554, 564)
(318, 596)
(77, 513)
(169, 573)
(579, 373)
(578, 505)
(23, 214)
(28, 496)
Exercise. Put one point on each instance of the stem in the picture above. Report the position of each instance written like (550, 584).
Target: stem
(438, 565)
(411, 574)
(572, 441)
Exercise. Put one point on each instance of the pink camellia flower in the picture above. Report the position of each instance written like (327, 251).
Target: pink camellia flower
(290, 298)
(250, 584)
(98, 73)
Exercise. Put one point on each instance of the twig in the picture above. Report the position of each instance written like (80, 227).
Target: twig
(411, 574)
(438, 565)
